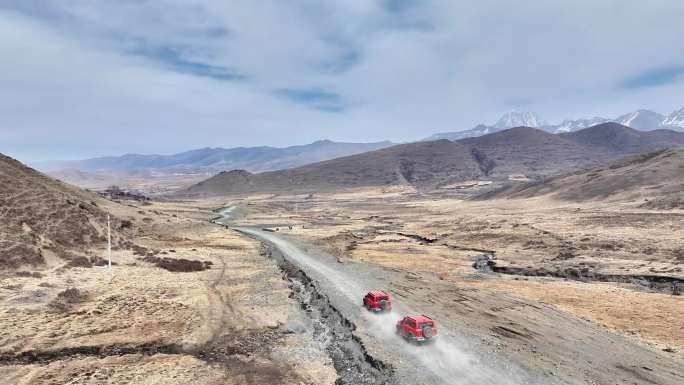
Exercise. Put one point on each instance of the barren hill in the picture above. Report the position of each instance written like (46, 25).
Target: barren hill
(533, 152)
(656, 179)
(420, 164)
(536, 153)
(41, 216)
(528, 151)
(622, 139)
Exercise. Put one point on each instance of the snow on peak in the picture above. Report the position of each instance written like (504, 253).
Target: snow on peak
(569, 125)
(644, 120)
(518, 119)
(675, 119)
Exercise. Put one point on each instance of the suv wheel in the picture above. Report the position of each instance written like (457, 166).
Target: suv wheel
(427, 332)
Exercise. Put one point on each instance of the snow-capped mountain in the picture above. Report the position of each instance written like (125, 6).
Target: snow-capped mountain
(520, 119)
(508, 120)
(675, 120)
(575, 125)
(643, 120)
(478, 130)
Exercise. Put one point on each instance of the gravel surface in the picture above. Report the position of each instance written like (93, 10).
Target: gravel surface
(448, 361)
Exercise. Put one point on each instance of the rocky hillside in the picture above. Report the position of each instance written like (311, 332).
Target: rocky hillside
(617, 138)
(40, 216)
(536, 153)
(532, 152)
(420, 164)
(522, 151)
(655, 180)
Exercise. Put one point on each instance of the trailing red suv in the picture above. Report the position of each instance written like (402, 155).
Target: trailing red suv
(419, 328)
(377, 301)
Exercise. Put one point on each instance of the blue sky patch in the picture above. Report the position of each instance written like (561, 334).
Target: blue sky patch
(655, 77)
(316, 98)
(399, 6)
(172, 58)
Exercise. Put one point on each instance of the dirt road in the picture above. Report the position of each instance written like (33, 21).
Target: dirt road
(485, 338)
(448, 361)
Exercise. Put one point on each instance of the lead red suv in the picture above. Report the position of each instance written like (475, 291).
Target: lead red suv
(377, 301)
(419, 328)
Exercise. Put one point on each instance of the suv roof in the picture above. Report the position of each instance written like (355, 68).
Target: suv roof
(420, 318)
(377, 293)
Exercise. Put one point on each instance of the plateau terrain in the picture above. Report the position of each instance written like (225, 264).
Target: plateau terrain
(338, 192)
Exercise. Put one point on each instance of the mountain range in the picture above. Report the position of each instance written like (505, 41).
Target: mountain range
(643, 120)
(526, 151)
(213, 160)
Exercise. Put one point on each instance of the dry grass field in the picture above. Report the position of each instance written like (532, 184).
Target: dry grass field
(161, 318)
(555, 252)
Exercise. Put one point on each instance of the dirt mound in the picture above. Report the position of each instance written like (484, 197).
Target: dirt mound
(656, 178)
(39, 213)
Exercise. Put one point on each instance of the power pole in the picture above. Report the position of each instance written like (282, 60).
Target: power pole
(109, 247)
(108, 266)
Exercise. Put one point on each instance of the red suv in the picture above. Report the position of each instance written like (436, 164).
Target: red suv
(419, 328)
(377, 301)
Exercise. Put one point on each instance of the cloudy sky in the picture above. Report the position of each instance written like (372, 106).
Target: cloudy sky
(83, 77)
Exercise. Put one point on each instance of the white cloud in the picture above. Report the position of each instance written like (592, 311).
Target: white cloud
(78, 74)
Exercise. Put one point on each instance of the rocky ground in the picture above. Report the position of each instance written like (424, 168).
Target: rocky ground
(190, 303)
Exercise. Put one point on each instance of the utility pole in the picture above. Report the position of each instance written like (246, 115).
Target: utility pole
(109, 247)
(108, 266)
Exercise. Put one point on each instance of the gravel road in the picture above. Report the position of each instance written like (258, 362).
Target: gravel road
(447, 361)
(485, 337)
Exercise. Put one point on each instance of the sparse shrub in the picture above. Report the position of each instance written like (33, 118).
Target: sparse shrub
(17, 255)
(139, 250)
(125, 224)
(28, 274)
(678, 254)
(74, 260)
(178, 265)
(565, 254)
(65, 299)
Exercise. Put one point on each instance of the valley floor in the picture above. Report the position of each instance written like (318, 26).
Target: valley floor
(611, 267)
(580, 293)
